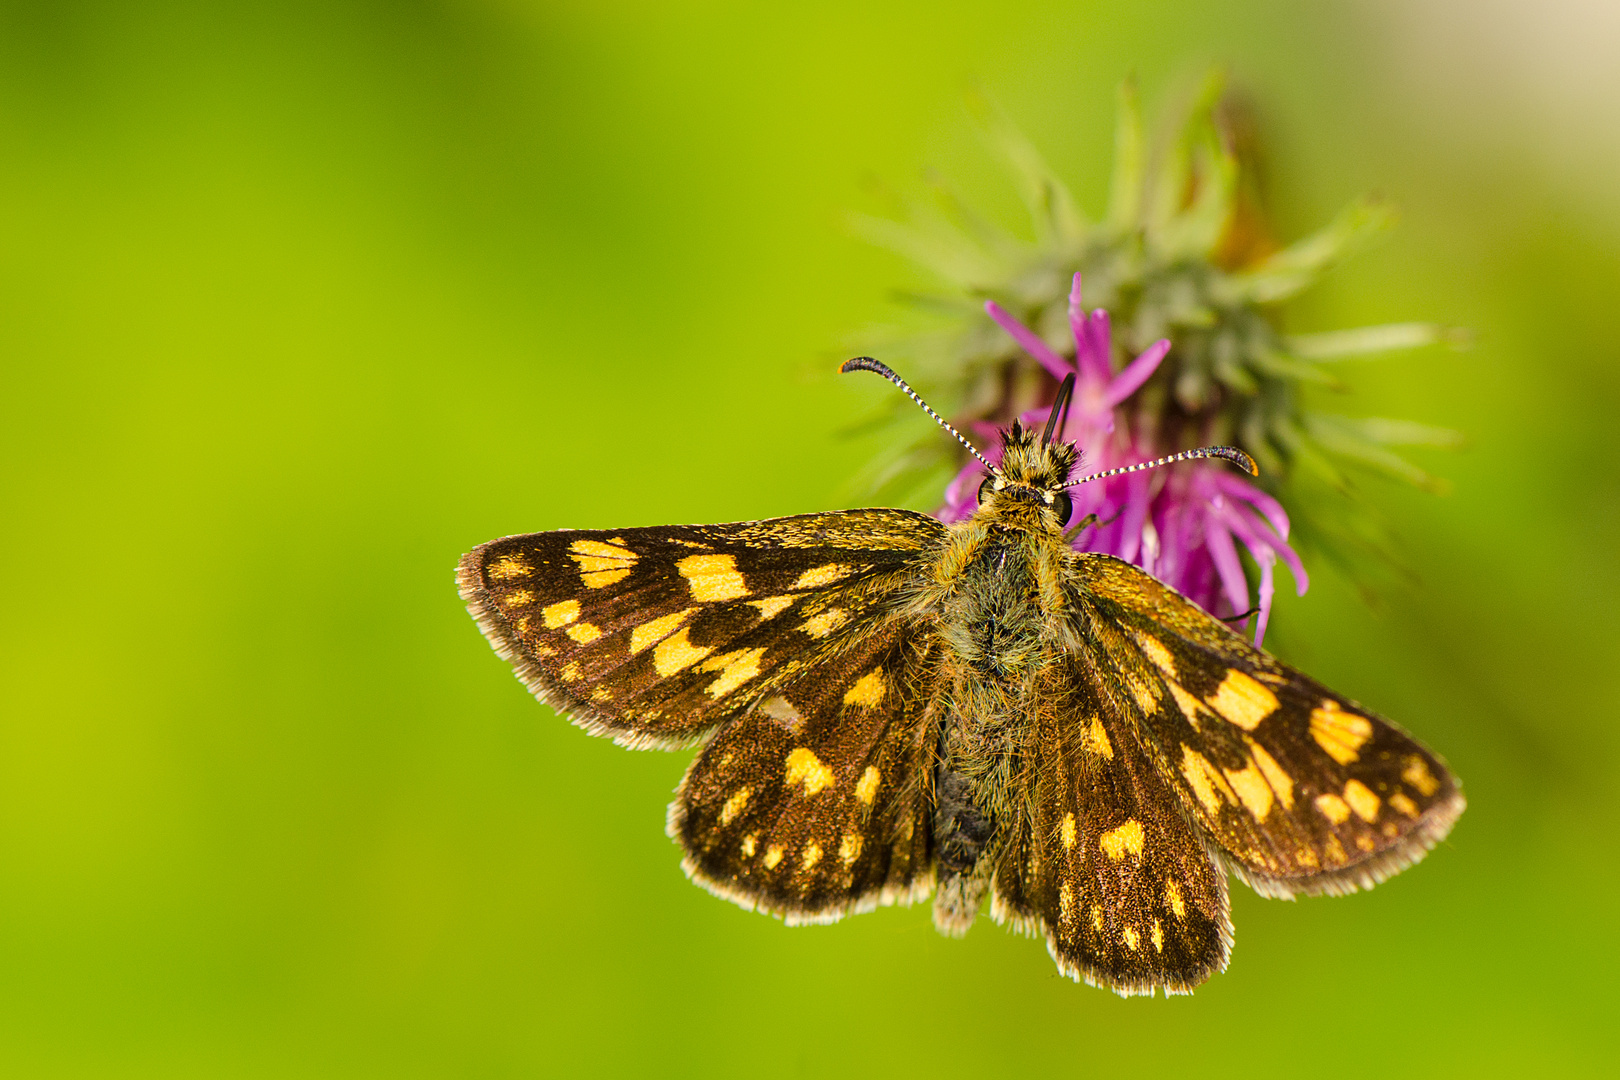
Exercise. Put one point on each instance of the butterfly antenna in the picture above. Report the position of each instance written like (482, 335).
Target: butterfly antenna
(1230, 453)
(866, 363)
(1060, 411)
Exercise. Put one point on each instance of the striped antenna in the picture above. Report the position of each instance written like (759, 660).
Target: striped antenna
(866, 363)
(1230, 453)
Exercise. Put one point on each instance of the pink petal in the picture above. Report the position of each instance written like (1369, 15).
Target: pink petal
(1255, 535)
(1128, 381)
(1029, 340)
(1268, 588)
(1136, 508)
(1093, 348)
(1224, 554)
(1239, 488)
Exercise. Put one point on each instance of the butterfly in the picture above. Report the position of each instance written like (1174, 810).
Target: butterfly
(889, 708)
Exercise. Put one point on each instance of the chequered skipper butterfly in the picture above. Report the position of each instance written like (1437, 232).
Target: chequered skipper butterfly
(889, 707)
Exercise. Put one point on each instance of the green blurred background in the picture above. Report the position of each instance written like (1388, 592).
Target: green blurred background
(299, 301)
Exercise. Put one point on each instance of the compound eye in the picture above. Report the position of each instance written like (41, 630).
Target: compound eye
(986, 488)
(1063, 507)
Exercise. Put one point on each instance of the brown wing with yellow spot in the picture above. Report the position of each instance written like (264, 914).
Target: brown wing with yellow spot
(1304, 790)
(813, 804)
(655, 636)
(1101, 863)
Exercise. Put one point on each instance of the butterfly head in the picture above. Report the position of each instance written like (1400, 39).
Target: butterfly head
(1027, 490)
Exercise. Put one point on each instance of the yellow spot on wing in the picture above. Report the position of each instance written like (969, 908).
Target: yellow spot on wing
(612, 550)
(560, 614)
(1334, 809)
(1206, 782)
(734, 805)
(1155, 651)
(518, 598)
(1095, 738)
(677, 653)
(1280, 781)
(1243, 701)
(1130, 937)
(1066, 903)
(1362, 800)
(735, 669)
(1418, 775)
(1068, 831)
(1172, 896)
(1128, 838)
(602, 564)
(1338, 732)
(824, 623)
(866, 787)
(1096, 917)
(712, 578)
(508, 567)
(812, 854)
(817, 576)
(1252, 790)
(570, 671)
(1157, 934)
(658, 629)
(749, 845)
(773, 855)
(772, 606)
(850, 848)
(868, 689)
(1186, 703)
(584, 632)
(803, 765)
(601, 694)
(1405, 805)
(1144, 690)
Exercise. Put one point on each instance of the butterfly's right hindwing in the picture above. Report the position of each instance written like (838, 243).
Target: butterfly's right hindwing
(654, 636)
(1103, 866)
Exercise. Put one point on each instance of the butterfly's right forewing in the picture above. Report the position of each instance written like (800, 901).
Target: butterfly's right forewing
(1304, 790)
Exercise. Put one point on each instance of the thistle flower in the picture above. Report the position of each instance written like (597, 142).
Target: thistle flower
(1181, 526)
(1195, 354)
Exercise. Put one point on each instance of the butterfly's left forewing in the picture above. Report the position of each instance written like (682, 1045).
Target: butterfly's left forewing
(656, 636)
(1304, 790)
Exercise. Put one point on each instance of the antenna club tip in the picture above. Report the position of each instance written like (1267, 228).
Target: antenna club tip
(864, 363)
(1241, 460)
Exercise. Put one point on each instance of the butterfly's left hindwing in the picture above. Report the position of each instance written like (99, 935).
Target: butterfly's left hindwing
(816, 802)
(1304, 790)
(655, 636)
